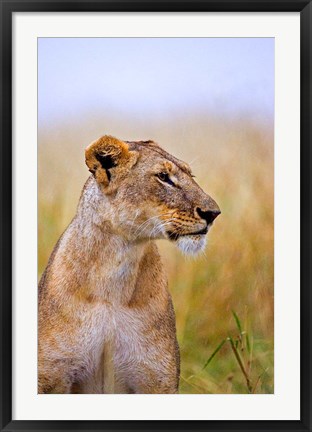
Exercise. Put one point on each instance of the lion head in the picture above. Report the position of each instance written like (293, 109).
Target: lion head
(150, 194)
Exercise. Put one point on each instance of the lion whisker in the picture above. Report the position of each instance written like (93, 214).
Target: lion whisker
(144, 224)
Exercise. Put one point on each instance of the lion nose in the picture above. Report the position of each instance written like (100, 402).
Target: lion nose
(208, 215)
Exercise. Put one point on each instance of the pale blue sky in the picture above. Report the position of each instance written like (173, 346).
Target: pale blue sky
(160, 76)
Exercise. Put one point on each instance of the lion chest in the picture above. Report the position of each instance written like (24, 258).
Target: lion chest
(124, 292)
(113, 339)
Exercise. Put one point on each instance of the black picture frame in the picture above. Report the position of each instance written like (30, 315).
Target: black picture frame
(8, 7)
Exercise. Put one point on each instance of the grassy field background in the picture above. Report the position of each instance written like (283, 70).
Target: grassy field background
(224, 298)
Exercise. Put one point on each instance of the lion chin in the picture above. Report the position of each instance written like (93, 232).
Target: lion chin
(191, 244)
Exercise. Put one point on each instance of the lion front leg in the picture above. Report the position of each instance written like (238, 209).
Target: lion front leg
(152, 376)
(147, 380)
(151, 365)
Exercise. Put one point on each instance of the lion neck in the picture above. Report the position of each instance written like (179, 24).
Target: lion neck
(110, 260)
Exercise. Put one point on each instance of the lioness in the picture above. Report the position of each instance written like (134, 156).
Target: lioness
(106, 320)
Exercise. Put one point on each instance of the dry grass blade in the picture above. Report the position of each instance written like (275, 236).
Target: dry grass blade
(241, 365)
(192, 384)
(258, 380)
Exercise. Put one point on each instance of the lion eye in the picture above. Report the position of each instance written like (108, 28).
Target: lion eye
(164, 177)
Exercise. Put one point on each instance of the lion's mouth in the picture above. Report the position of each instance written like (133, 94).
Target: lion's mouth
(174, 235)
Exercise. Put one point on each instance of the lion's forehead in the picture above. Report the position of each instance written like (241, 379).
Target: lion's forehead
(152, 149)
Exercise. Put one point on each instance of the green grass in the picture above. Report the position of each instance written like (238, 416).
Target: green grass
(239, 364)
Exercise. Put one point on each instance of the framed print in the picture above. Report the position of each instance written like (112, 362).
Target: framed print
(155, 215)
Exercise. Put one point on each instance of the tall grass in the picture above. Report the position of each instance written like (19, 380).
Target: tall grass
(224, 298)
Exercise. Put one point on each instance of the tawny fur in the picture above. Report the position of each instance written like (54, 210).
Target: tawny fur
(106, 320)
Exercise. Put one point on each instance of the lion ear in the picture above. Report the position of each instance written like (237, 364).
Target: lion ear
(107, 156)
